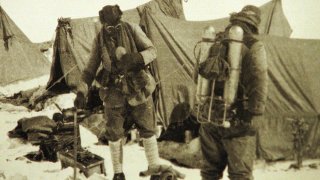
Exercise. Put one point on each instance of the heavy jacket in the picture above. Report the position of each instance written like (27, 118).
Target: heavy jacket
(135, 41)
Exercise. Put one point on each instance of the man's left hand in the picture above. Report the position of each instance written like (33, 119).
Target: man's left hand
(131, 62)
(251, 118)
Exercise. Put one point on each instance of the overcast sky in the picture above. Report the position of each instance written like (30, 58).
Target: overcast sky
(38, 18)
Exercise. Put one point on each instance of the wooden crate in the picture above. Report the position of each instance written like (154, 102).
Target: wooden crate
(96, 164)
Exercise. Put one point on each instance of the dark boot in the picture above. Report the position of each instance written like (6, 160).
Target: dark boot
(159, 177)
(155, 177)
(119, 176)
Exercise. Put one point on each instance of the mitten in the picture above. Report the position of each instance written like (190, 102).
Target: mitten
(247, 116)
(251, 118)
(131, 62)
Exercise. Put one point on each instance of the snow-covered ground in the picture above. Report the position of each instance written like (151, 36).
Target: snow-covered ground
(14, 166)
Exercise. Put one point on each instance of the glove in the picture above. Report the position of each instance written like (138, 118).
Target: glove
(247, 116)
(253, 119)
(80, 101)
(140, 80)
(243, 129)
(131, 62)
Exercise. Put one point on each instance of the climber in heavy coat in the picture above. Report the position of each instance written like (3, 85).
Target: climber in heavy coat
(235, 146)
(124, 52)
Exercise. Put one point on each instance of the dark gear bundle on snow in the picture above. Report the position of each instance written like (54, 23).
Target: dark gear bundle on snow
(52, 135)
(181, 122)
(34, 129)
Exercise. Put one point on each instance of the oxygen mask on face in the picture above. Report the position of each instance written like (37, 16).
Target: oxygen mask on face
(111, 30)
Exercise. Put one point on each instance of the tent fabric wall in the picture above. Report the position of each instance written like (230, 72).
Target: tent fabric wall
(71, 50)
(276, 141)
(20, 58)
(293, 66)
(274, 21)
(171, 8)
(293, 94)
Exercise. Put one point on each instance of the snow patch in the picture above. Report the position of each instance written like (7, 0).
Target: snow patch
(11, 89)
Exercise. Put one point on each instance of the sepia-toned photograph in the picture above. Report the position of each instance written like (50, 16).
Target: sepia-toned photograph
(159, 89)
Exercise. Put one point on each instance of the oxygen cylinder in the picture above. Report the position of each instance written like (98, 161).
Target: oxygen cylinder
(234, 60)
(203, 85)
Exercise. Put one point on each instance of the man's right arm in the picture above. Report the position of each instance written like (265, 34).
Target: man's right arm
(91, 68)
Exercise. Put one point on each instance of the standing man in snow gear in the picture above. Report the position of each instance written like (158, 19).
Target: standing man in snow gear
(235, 146)
(125, 92)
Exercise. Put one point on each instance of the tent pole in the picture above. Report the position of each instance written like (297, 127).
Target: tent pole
(75, 142)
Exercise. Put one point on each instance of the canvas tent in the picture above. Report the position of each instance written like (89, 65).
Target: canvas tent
(292, 69)
(20, 59)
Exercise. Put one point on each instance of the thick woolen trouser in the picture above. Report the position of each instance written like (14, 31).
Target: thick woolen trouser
(117, 111)
(238, 153)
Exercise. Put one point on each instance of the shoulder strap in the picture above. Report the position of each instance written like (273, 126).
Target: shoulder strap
(249, 40)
